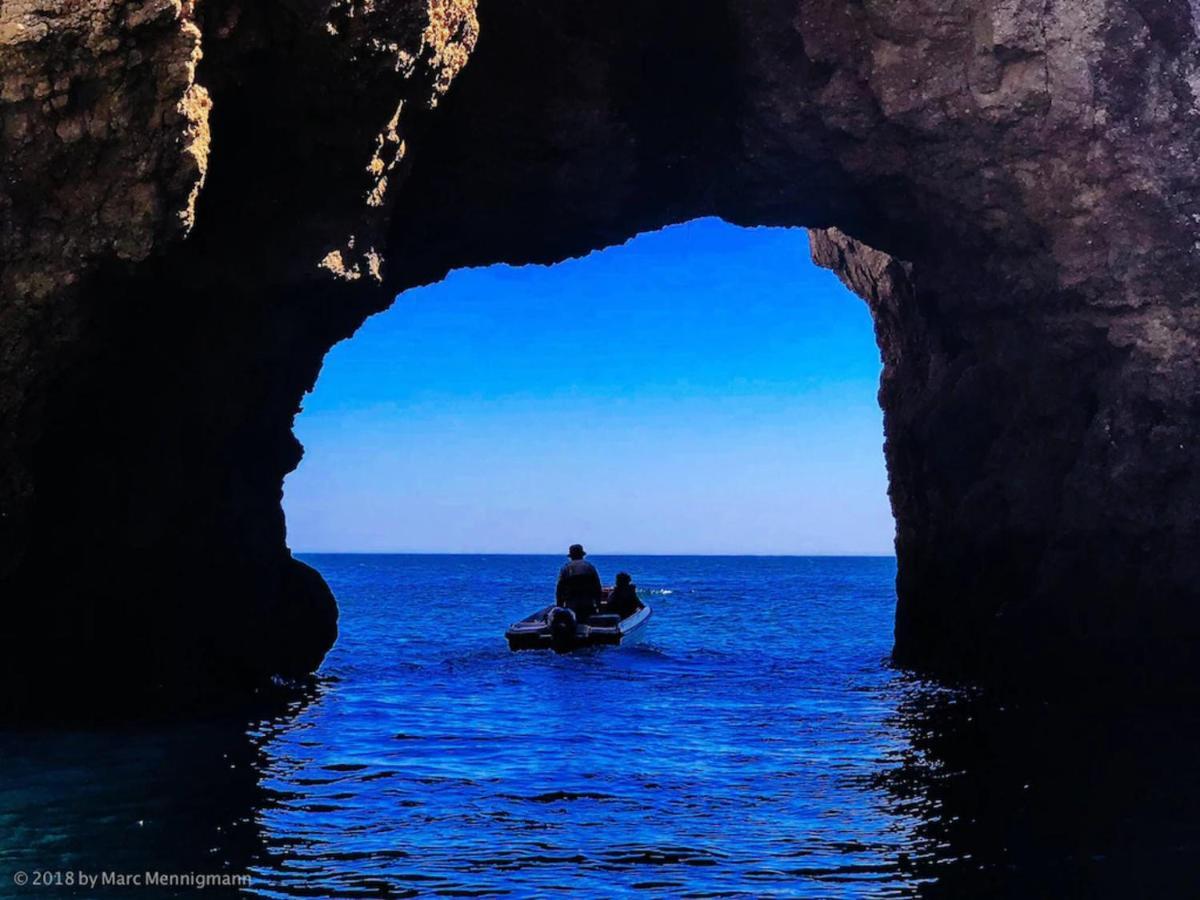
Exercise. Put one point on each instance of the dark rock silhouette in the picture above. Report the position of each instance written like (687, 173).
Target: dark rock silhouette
(1037, 799)
(200, 199)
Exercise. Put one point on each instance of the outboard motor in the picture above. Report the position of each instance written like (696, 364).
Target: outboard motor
(562, 627)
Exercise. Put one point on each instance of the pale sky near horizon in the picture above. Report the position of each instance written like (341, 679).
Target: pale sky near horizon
(701, 389)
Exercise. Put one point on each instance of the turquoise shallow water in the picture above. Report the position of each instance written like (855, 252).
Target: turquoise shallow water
(755, 743)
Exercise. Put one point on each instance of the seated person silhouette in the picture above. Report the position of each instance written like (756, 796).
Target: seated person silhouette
(578, 586)
(624, 599)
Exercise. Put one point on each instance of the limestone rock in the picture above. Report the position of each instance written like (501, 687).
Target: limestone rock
(200, 199)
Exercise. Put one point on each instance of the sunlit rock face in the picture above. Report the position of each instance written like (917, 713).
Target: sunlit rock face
(200, 199)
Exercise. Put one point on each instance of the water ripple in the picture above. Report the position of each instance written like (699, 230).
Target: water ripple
(755, 745)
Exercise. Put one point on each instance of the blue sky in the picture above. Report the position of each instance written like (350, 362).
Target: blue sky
(701, 389)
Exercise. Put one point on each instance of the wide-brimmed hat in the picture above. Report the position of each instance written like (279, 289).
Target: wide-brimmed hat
(576, 551)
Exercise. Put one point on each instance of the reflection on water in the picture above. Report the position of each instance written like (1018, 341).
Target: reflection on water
(181, 797)
(785, 759)
(1037, 800)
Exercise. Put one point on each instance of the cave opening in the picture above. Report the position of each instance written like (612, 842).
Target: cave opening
(703, 389)
(1032, 279)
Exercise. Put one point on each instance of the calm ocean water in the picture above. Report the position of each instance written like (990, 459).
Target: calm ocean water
(755, 743)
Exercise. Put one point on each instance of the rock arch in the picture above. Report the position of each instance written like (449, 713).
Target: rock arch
(200, 198)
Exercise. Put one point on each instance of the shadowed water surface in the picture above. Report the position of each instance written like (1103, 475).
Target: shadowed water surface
(755, 743)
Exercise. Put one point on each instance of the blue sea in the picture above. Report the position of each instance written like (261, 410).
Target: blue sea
(755, 743)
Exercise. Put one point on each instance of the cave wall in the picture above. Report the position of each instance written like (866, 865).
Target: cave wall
(201, 198)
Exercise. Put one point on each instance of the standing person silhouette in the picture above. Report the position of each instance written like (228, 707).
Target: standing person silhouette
(578, 586)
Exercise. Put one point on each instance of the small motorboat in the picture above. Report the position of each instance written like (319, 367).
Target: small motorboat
(556, 628)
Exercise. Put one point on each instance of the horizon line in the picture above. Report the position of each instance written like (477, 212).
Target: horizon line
(563, 553)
